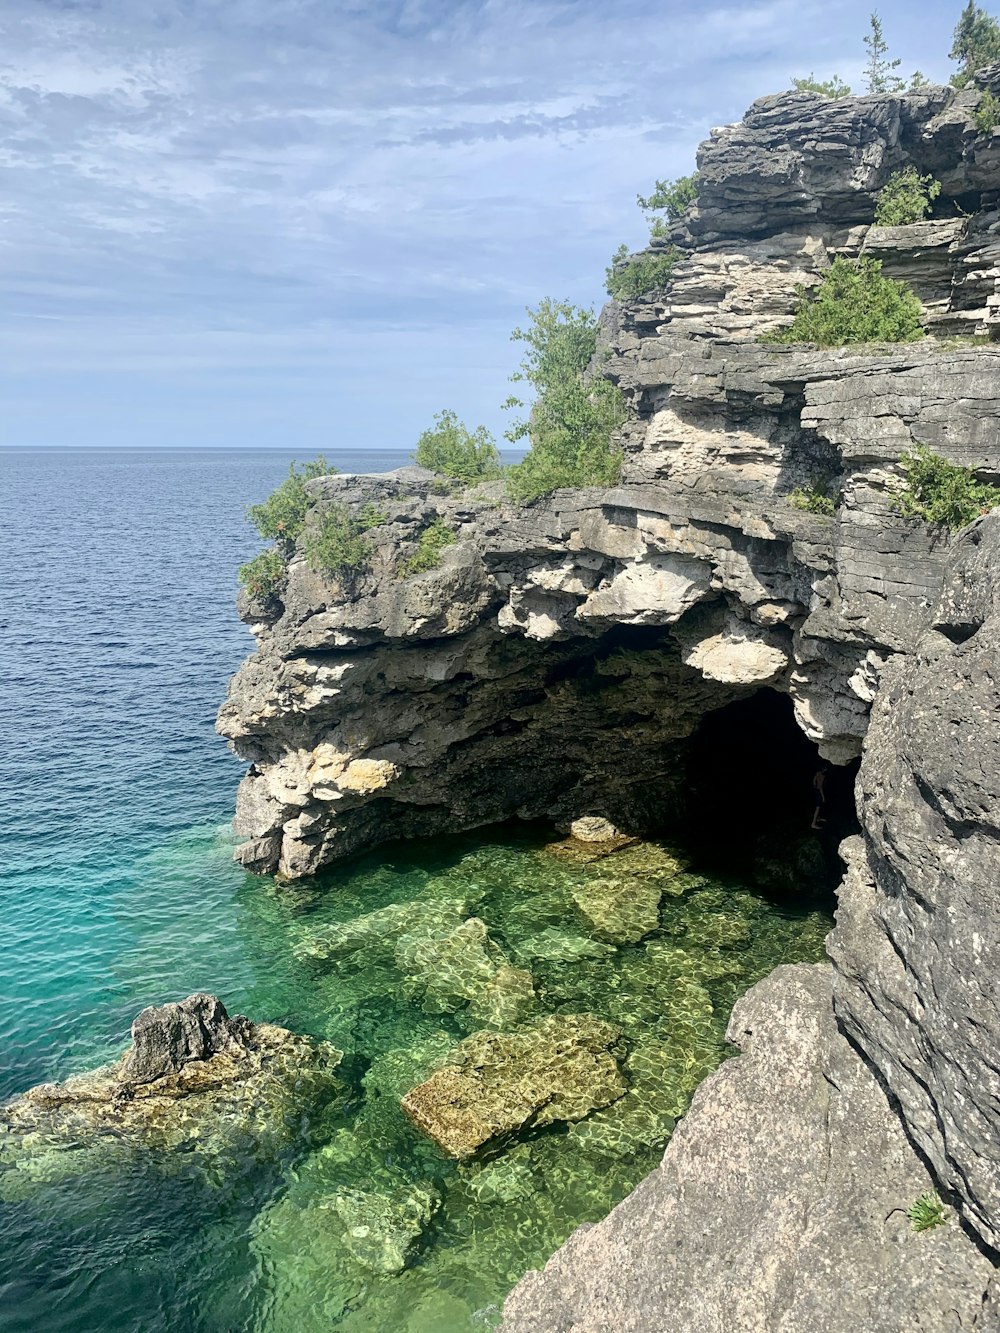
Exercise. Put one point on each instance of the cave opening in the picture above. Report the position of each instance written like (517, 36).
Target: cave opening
(749, 800)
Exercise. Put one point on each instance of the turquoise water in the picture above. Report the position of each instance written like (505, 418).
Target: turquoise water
(117, 890)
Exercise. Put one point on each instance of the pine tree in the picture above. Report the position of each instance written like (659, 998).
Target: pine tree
(976, 42)
(879, 69)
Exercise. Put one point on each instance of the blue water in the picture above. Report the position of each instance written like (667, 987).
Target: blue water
(117, 636)
(118, 890)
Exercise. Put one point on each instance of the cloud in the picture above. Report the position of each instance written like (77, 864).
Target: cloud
(198, 188)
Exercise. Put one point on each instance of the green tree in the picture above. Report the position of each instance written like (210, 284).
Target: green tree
(337, 541)
(451, 448)
(669, 201)
(854, 304)
(572, 422)
(943, 493)
(906, 197)
(264, 575)
(976, 42)
(878, 71)
(433, 541)
(987, 113)
(280, 517)
(631, 276)
(835, 87)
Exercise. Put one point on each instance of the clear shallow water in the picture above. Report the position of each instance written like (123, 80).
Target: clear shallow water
(117, 889)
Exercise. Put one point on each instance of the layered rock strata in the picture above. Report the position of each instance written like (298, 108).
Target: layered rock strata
(559, 658)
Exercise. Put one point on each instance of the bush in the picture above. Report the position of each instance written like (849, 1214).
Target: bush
(670, 198)
(280, 517)
(629, 277)
(574, 418)
(264, 575)
(926, 1212)
(338, 542)
(853, 304)
(987, 113)
(906, 197)
(433, 540)
(835, 87)
(452, 449)
(976, 42)
(813, 501)
(942, 493)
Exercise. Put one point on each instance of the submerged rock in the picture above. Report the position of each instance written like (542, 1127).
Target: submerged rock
(383, 1230)
(224, 1080)
(559, 1068)
(465, 967)
(377, 933)
(620, 910)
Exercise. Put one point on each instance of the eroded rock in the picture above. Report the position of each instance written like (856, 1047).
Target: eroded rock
(558, 1068)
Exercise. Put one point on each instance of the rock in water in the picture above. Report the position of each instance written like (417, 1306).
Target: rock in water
(168, 1036)
(383, 1229)
(621, 910)
(559, 1068)
(194, 1077)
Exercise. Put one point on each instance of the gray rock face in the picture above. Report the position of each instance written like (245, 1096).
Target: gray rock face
(166, 1038)
(779, 1206)
(917, 944)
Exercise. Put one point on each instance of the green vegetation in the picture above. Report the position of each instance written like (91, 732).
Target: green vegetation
(976, 42)
(987, 113)
(815, 500)
(264, 575)
(942, 493)
(669, 201)
(853, 304)
(338, 543)
(926, 1212)
(906, 197)
(433, 540)
(639, 275)
(835, 87)
(280, 517)
(574, 416)
(878, 71)
(451, 448)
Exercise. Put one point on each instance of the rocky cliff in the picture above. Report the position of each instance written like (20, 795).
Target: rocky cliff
(556, 661)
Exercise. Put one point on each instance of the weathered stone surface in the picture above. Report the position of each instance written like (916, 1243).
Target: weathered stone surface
(558, 1068)
(225, 1081)
(382, 1232)
(779, 1207)
(621, 910)
(917, 944)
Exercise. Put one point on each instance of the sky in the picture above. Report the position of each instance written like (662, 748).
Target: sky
(316, 222)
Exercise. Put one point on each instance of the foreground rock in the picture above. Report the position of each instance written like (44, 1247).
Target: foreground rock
(194, 1075)
(558, 1068)
(779, 1207)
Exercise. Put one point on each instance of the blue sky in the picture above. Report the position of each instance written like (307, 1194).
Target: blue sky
(315, 222)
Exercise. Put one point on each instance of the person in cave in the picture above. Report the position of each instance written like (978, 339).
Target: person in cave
(819, 794)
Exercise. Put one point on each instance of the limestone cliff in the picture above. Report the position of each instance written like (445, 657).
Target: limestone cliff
(559, 657)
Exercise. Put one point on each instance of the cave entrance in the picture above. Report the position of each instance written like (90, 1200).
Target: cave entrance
(749, 799)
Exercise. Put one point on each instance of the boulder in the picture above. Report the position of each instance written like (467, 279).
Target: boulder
(558, 1068)
(166, 1037)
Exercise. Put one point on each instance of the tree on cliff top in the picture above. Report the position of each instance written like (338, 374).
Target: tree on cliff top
(280, 517)
(976, 42)
(451, 448)
(572, 422)
(879, 69)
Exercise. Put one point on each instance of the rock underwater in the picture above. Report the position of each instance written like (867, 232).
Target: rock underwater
(194, 1078)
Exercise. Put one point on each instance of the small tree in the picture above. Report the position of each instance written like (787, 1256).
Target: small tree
(451, 448)
(629, 277)
(573, 419)
(878, 71)
(976, 42)
(987, 113)
(942, 493)
(264, 575)
(906, 197)
(835, 87)
(669, 201)
(280, 517)
(854, 304)
(337, 542)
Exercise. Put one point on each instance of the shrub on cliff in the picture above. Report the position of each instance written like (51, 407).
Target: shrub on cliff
(264, 575)
(976, 42)
(987, 113)
(942, 493)
(281, 515)
(629, 277)
(668, 202)
(451, 448)
(433, 540)
(338, 543)
(835, 87)
(906, 197)
(572, 422)
(854, 304)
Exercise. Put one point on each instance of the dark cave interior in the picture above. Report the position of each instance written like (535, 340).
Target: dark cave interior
(750, 797)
